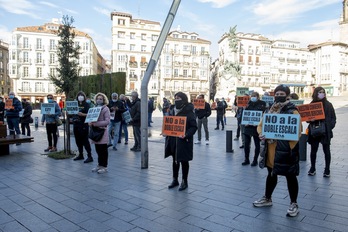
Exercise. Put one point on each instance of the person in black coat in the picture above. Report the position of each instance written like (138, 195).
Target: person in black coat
(319, 95)
(250, 131)
(220, 110)
(2, 109)
(202, 119)
(26, 118)
(181, 148)
(135, 112)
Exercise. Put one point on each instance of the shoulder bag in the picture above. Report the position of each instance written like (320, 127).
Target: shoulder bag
(96, 133)
(317, 129)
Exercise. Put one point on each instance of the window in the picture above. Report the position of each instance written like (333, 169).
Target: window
(86, 46)
(132, 59)
(121, 34)
(193, 37)
(52, 44)
(154, 37)
(85, 60)
(132, 35)
(185, 48)
(184, 36)
(121, 22)
(39, 58)
(167, 59)
(194, 72)
(185, 73)
(132, 47)
(175, 36)
(77, 44)
(121, 46)
(25, 71)
(166, 48)
(14, 68)
(39, 87)
(52, 58)
(25, 86)
(202, 50)
(52, 71)
(176, 72)
(25, 42)
(38, 43)
(241, 59)
(194, 50)
(152, 48)
(13, 55)
(121, 58)
(143, 48)
(39, 72)
(143, 36)
(143, 59)
(25, 57)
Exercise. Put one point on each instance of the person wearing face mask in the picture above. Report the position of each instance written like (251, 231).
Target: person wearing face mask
(181, 148)
(26, 118)
(81, 128)
(2, 109)
(135, 112)
(250, 131)
(12, 114)
(281, 156)
(116, 109)
(319, 95)
(51, 125)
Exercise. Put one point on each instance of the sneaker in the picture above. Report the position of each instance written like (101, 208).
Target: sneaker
(236, 138)
(88, 160)
(326, 173)
(48, 149)
(241, 146)
(198, 142)
(102, 170)
(293, 210)
(217, 128)
(53, 149)
(311, 171)
(206, 142)
(96, 168)
(262, 202)
(79, 157)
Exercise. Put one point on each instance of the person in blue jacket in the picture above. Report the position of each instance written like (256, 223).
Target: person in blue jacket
(12, 114)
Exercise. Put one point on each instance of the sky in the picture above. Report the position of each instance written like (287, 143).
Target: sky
(305, 21)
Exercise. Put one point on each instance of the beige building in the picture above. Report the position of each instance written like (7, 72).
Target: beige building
(183, 65)
(5, 81)
(33, 57)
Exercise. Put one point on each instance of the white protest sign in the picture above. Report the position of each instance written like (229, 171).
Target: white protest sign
(281, 126)
(112, 115)
(21, 113)
(251, 117)
(297, 102)
(72, 107)
(48, 108)
(126, 116)
(93, 114)
(268, 99)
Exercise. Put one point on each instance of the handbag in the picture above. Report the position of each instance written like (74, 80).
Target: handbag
(31, 120)
(59, 122)
(96, 133)
(317, 129)
(126, 116)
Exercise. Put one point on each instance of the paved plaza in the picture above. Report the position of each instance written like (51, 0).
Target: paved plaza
(38, 193)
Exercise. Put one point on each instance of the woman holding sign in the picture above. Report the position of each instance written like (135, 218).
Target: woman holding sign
(325, 138)
(181, 148)
(281, 156)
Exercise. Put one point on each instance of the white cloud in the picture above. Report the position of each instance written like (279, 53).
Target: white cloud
(71, 11)
(102, 11)
(277, 12)
(5, 34)
(218, 3)
(49, 4)
(21, 7)
(326, 24)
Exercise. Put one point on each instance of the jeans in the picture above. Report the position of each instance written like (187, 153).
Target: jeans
(314, 150)
(137, 134)
(203, 121)
(149, 117)
(103, 155)
(114, 127)
(13, 125)
(219, 119)
(25, 126)
(125, 129)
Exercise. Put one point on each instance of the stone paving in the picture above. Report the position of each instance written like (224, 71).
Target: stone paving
(38, 193)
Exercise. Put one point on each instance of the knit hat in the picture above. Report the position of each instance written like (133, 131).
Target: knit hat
(283, 88)
(183, 97)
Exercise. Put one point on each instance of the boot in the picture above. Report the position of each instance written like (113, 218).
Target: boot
(89, 159)
(79, 157)
(246, 162)
(174, 183)
(183, 185)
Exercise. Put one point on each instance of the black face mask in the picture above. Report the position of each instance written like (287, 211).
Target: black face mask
(178, 104)
(279, 98)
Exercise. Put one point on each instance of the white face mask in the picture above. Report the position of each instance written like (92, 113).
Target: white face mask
(80, 98)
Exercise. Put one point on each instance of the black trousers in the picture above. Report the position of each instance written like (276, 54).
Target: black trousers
(271, 183)
(25, 126)
(51, 130)
(103, 155)
(247, 143)
(81, 139)
(185, 169)
(314, 150)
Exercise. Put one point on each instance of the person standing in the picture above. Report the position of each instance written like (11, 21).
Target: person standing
(329, 122)
(12, 114)
(220, 109)
(26, 118)
(61, 105)
(124, 125)
(250, 131)
(165, 107)
(116, 108)
(136, 116)
(181, 148)
(202, 119)
(224, 103)
(281, 156)
(81, 128)
(150, 109)
(51, 125)
(2, 109)
(101, 147)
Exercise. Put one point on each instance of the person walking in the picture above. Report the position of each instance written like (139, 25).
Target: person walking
(12, 114)
(135, 122)
(202, 119)
(81, 128)
(26, 118)
(51, 125)
(101, 147)
(281, 156)
(116, 108)
(220, 109)
(250, 131)
(181, 148)
(319, 95)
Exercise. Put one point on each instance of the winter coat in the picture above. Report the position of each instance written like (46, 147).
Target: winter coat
(182, 149)
(51, 118)
(27, 113)
(2, 111)
(121, 109)
(259, 105)
(220, 108)
(135, 112)
(17, 107)
(206, 112)
(330, 123)
(103, 122)
(283, 155)
(79, 121)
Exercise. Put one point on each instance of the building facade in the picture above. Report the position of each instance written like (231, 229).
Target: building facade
(33, 57)
(5, 80)
(183, 64)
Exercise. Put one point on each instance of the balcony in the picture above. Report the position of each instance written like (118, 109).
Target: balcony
(133, 77)
(24, 46)
(133, 64)
(39, 61)
(291, 60)
(143, 64)
(293, 71)
(39, 48)
(177, 63)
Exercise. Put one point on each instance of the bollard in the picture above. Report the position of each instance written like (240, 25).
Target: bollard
(36, 122)
(229, 144)
(303, 147)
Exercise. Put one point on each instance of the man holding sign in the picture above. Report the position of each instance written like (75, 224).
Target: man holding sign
(179, 144)
(203, 111)
(13, 106)
(281, 156)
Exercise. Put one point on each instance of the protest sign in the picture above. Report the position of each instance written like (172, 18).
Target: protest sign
(126, 116)
(21, 113)
(112, 115)
(9, 104)
(297, 102)
(48, 108)
(312, 111)
(281, 126)
(93, 114)
(251, 117)
(268, 99)
(242, 101)
(199, 103)
(174, 126)
(72, 107)
(241, 91)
